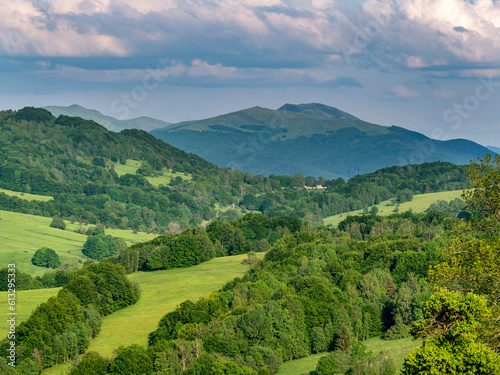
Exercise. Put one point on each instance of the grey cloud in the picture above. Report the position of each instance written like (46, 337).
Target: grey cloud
(460, 29)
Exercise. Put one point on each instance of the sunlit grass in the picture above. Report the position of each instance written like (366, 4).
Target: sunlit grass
(419, 203)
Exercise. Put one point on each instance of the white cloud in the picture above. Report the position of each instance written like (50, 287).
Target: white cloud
(389, 34)
(404, 92)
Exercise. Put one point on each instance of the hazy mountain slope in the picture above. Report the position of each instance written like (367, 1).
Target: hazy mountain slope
(494, 149)
(311, 140)
(318, 110)
(110, 123)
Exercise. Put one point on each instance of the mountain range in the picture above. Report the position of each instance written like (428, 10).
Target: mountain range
(311, 139)
(110, 123)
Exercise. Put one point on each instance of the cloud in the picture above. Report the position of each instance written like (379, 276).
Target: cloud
(389, 35)
(404, 92)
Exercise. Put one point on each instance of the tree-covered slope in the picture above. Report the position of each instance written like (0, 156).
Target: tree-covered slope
(311, 139)
(74, 161)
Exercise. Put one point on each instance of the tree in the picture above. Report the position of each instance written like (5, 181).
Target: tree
(130, 361)
(471, 263)
(344, 340)
(404, 195)
(318, 340)
(58, 223)
(92, 363)
(451, 326)
(45, 257)
(327, 365)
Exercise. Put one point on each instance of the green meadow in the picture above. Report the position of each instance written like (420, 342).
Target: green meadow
(419, 203)
(131, 166)
(398, 349)
(21, 235)
(26, 302)
(27, 196)
(161, 292)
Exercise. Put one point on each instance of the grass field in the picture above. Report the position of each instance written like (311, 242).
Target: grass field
(419, 203)
(301, 366)
(131, 166)
(26, 196)
(127, 235)
(398, 349)
(26, 302)
(21, 235)
(161, 292)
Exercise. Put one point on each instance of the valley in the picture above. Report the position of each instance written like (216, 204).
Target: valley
(191, 267)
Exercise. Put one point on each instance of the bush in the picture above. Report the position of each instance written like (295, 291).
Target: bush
(58, 223)
(45, 257)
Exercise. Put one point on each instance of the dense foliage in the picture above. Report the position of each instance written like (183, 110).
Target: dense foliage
(61, 328)
(312, 292)
(45, 257)
(100, 246)
(73, 160)
(252, 232)
(460, 325)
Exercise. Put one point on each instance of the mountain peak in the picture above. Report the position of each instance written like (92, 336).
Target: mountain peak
(318, 110)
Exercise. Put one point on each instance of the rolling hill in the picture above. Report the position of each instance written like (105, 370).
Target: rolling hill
(110, 123)
(311, 139)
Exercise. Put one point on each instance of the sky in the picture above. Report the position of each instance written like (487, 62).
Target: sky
(427, 65)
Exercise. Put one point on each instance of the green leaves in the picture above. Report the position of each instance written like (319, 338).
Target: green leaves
(45, 257)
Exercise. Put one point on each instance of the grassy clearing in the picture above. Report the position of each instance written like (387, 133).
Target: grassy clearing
(161, 292)
(301, 366)
(64, 368)
(419, 203)
(127, 235)
(21, 235)
(26, 302)
(26, 196)
(131, 166)
(398, 349)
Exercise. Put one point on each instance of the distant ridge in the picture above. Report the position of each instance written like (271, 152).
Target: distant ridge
(311, 139)
(496, 150)
(318, 111)
(110, 123)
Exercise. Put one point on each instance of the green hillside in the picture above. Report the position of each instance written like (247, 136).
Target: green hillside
(23, 234)
(73, 160)
(26, 196)
(26, 302)
(419, 203)
(398, 349)
(161, 292)
(162, 177)
(310, 139)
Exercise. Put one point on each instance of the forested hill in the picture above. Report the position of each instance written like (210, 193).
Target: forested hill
(132, 180)
(311, 139)
(83, 166)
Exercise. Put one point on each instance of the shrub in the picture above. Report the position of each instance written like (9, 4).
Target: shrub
(45, 257)
(58, 223)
